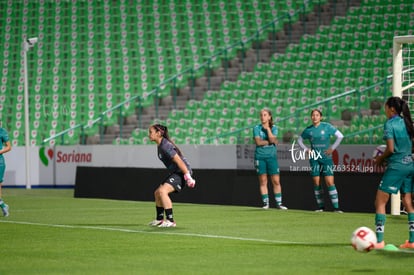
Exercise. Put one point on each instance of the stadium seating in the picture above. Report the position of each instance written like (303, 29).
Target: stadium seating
(348, 54)
(92, 55)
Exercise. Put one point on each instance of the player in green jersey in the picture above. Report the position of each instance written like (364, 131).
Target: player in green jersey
(4, 148)
(398, 135)
(320, 157)
(265, 158)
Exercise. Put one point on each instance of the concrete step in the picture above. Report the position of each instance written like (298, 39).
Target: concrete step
(276, 43)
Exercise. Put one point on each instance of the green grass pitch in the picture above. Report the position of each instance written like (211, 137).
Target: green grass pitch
(51, 232)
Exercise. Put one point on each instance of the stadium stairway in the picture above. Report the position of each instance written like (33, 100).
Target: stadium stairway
(307, 25)
(108, 72)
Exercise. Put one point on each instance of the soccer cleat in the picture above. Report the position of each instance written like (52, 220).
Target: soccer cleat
(156, 223)
(5, 210)
(167, 223)
(265, 206)
(320, 209)
(379, 245)
(281, 207)
(407, 244)
(337, 210)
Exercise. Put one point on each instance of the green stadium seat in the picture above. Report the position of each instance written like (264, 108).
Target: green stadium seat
(132, 34)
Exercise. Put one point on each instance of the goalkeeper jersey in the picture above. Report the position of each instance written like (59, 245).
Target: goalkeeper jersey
(166, 152)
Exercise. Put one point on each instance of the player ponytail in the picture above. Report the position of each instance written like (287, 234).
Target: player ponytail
(407, 118)
(401, 108)
(164, 133)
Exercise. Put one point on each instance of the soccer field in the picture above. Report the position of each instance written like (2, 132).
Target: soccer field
(50, 232)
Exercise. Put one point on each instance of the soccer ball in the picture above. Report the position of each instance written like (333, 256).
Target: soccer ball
(363, 239)
(379, 150)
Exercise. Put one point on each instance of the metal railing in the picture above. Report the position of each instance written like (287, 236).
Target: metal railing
(172, 84)
(295, 128)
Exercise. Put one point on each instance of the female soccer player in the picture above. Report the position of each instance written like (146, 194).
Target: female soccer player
(398, 135)
(320, 157)
(180, 173)
(265, 158)
(4, 148)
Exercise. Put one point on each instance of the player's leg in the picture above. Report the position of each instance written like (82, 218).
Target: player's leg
(392, 181)
(327, 171)
(273, 170)
(381, 200)
(317, 188)
(264, 193)
(159, 209)
(4, 207)
(277, 191)
(407, 200)
(333, 192)
(163, 193)
(174, 183)
(261, 170)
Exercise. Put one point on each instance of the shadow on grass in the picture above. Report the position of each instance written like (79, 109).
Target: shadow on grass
(365, 270)
(303, 245)
(396, 254)
(127, 227)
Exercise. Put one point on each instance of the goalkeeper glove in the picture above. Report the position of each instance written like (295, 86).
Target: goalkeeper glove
(189, 180)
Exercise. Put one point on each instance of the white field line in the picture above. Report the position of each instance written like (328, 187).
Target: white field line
(161, 232)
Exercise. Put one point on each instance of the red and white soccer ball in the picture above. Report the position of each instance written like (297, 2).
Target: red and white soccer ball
(363, 239)
(379, 150)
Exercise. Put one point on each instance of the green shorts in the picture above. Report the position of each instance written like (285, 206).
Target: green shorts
(321, 167)
(269, 166)
(2, 168)
(397, 179)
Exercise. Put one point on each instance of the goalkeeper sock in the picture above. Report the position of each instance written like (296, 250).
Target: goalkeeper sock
(317, 189)
(278, 198)
(379, 226)
(411, 227)
(333, 195)
(265, 199)
(160, 213)
(2, 204)
(169, 214)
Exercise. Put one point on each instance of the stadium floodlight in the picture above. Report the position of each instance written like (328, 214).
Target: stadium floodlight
(27, 44)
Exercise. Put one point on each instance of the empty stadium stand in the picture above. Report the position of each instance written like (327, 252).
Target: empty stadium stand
(94, 55)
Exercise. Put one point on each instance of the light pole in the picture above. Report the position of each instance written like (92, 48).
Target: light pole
(27, 44)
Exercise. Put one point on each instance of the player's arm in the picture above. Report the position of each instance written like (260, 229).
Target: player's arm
(6, 148)
(339, 137)
(261, 142)
(181, 165)
(271, 139)
(271, 136)
(302, 145)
